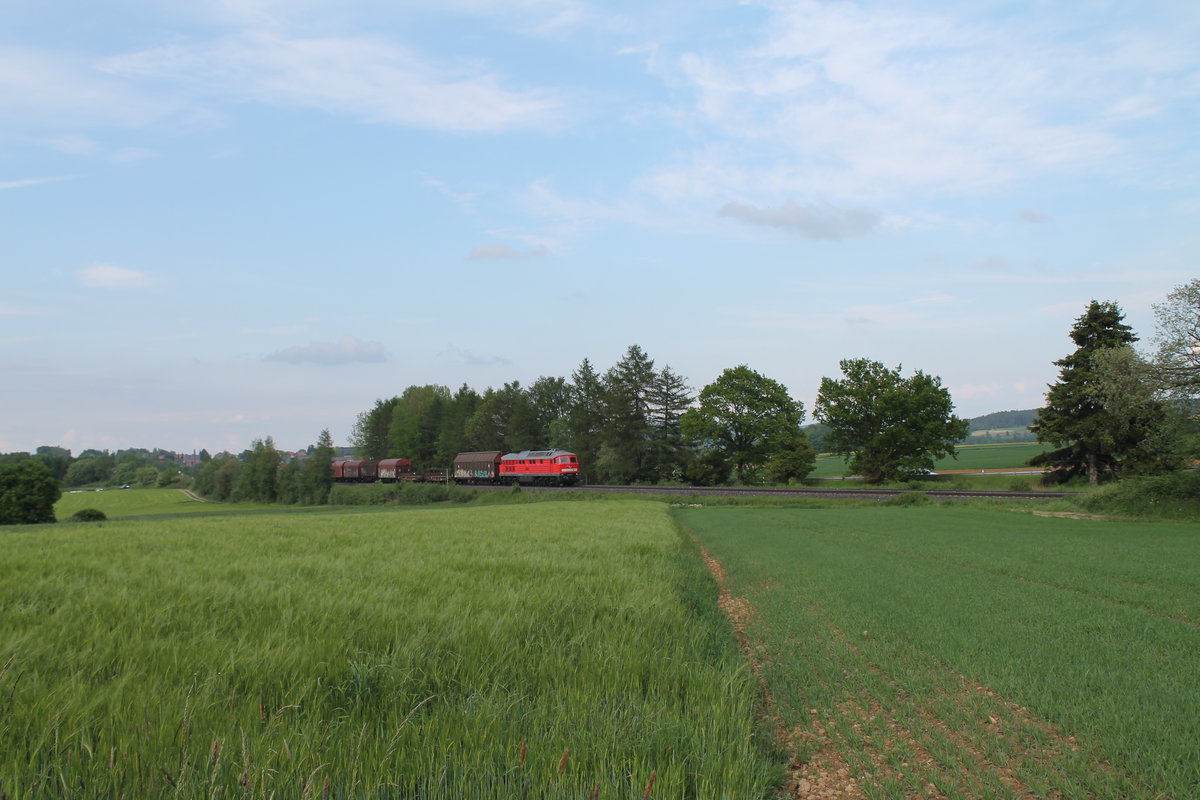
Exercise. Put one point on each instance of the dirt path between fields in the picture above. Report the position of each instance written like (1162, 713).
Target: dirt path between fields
(193, 496)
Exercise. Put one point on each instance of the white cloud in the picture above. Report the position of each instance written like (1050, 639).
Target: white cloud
(7, 310)
(503, 251)
(474, 359)
(464, 200)
(75, 144)
(347, 350)
(973, 390)
(107, 276)
(126, 155)
(915, 314)
(24, 182)
(850, 101)
(45, 88)
(359, 76)
(531, 16)
(816, 221)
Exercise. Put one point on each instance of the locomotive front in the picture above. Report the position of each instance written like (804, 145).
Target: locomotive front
(540, 467)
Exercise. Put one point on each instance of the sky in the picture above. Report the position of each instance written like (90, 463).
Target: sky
(229, 219)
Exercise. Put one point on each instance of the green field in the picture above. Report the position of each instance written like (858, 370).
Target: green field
(141, 502)
(970, 457)
(560, 649)
(971, 653)
(547, 650)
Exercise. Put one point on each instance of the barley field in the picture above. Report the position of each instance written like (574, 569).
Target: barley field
(554, 650)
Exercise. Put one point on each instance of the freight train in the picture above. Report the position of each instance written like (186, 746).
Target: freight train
(530, 467)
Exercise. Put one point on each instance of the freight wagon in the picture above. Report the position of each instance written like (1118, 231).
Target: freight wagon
(532, 467)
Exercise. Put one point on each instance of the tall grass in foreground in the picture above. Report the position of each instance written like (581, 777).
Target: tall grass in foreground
(986, 653)
(537, 651)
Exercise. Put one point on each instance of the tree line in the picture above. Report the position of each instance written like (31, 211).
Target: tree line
(1113, 411)
(262, 474)
(636, 423)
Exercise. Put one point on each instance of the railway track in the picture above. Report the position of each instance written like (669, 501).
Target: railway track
(763, 491)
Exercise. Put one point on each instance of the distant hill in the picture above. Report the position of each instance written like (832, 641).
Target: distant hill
(1004, 420)
(1015, 425)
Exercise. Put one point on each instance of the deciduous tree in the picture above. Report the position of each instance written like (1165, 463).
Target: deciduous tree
(1178, 339)
(890, 427)
(369, 436)
(257, 480)
(28, 492)
(416, 423)
(747, 416)
(1144, 428)
(504, 420)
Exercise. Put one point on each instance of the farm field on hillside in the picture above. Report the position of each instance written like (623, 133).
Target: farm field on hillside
(140, 502)
(967, 653)
(970, 457)
(509, 651)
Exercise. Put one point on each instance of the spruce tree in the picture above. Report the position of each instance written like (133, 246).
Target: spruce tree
(626, 448)
(585, 415)
(1074, 420)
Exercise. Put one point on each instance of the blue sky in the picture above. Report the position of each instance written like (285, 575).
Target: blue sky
(229, 219)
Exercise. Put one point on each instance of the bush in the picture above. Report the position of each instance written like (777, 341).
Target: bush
(907, 499)
(89, 515)
(1174, 495)
(378, 494)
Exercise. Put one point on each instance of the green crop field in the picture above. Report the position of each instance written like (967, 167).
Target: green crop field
(542, 651)
(968, 653)
(140, 502)
(970, 457)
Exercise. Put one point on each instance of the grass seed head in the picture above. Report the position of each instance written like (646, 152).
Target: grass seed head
(650, 784)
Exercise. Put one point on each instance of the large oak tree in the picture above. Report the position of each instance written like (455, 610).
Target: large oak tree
(890, 427)
(749, 418)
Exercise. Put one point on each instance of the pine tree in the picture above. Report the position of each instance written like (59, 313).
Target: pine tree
(1074, 420)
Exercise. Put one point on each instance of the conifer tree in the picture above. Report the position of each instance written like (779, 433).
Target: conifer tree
(1074, 419)
(585, 415)
(624, 454)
